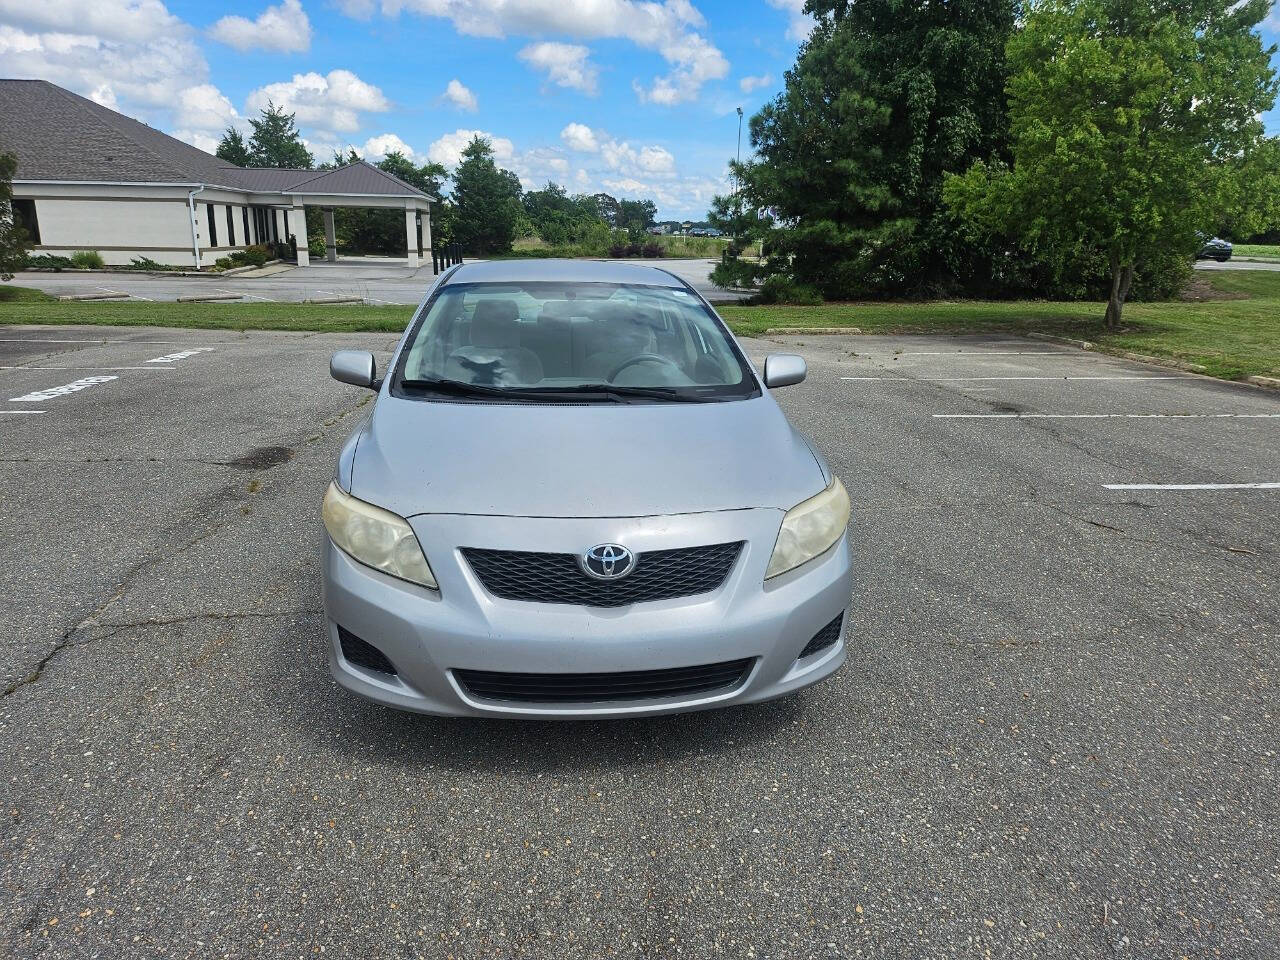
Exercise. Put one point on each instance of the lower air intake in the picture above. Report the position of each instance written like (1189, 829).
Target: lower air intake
(826, 637)
(361, 653)
(604, 687)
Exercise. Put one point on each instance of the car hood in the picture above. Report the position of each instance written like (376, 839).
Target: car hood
(589, 460)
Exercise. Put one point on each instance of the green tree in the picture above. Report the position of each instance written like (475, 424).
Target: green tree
(885, 97)
(636, 214)
(276, 142)
(607, 207)
(233, 149)
(13, 239)
(429, 178)
(486, 200)
(1133, 125)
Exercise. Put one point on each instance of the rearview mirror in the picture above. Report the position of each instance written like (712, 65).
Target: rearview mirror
(356, 367)
(783, 369)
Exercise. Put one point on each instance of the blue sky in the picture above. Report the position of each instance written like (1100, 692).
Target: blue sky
(634, 97)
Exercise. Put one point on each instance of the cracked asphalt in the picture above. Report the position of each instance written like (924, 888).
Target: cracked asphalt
(1056, 734)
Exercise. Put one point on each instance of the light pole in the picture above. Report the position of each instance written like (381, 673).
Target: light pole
(737, 175)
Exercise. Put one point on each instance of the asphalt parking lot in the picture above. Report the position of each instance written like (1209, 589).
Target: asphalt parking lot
(1055, 736)
(374, 280)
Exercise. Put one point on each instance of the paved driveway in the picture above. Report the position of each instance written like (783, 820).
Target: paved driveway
(1056, 734)
(376, 281)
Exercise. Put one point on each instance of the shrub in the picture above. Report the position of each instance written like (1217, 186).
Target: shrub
(146, 263)
(780, 289)
(618, 251)
(316, 246)
(48, 261)
(224, 263)
(634, 249)
(652, 250)
(257, 254)
(88, 259)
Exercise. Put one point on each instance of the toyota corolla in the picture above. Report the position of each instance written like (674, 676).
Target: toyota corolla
(574, 496)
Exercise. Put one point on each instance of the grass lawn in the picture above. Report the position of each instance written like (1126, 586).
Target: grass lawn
(1257, 251)
(1233, 337)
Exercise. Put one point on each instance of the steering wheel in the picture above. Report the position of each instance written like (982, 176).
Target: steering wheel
(642, 358)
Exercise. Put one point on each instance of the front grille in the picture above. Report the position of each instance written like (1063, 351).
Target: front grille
(363, 654)
(557, 578)
(599, 687)
(824, 638)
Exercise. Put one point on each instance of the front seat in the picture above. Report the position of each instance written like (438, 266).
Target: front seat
(494, 356)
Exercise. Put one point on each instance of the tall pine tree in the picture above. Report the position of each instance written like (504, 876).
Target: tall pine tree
(886, 97)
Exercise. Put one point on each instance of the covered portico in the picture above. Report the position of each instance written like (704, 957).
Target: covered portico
(355, 185)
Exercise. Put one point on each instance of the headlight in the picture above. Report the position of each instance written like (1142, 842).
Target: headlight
(375, 537)
(810, 528)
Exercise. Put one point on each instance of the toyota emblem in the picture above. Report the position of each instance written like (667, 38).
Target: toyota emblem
(608, 561)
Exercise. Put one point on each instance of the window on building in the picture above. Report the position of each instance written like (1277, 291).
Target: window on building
(275, 227)
(24, 212)
(286, 226)
(244, 212)
(231, 227)
(213, 225)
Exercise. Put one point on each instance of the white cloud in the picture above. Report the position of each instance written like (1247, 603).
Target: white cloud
(460, 96)
(335, 100)
(669, 27)
(375, 148)
(284, 28)
(565, 64)
(204, 107)
(448, 149)
(656, 160)
(800, 23)
(580, 137)
(118, 21)
(747, 84)
(198, 138)
(132, 56)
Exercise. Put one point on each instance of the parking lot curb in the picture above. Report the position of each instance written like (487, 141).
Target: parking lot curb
(1196, 369)
(335, 300)
(94, 296)
(811, 331)
(210, 296)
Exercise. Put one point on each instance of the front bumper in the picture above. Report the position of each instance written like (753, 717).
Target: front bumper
(428, 634)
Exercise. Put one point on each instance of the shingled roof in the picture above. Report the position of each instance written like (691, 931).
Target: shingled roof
(60, 136)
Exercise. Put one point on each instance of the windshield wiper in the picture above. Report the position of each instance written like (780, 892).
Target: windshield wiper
(624, 393)
(458, 388)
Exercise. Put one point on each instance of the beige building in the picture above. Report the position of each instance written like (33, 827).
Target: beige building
(89, 178)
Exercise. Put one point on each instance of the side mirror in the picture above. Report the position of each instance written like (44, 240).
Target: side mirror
(783, 369)
(356, 367)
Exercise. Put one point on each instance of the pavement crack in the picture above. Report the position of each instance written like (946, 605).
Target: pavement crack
(70, 638)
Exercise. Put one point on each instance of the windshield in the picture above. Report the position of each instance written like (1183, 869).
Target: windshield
(547, 340)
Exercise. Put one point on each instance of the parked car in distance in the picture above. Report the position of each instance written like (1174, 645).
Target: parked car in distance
(574, 496)
(1215, 248)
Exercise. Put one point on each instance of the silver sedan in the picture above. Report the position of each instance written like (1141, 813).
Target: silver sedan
(574, 496)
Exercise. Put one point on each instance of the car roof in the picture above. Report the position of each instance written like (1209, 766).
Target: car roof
(566, 271)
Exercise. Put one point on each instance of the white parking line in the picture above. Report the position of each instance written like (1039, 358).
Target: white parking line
(967, 379)
(251, 295)
(50, 392)
(82, 368)
(23, 411)
(135, 296)
(1103, 416)
(1192, 486)
(83, 339)
(180, 355)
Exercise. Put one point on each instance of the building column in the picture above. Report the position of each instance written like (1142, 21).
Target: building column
(300, 214)
(411, 235)
(330, 237)
(426, 232)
